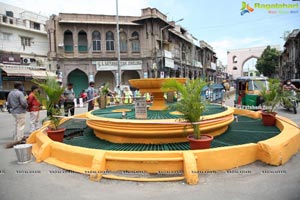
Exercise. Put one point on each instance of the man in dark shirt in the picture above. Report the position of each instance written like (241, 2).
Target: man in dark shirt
(17, 104)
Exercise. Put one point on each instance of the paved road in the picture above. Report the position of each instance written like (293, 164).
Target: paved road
(35, 181)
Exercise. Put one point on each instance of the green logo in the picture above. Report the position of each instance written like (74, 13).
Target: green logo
(246, 8)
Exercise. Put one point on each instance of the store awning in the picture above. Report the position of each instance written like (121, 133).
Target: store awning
(26, 72)
(41, 74)
(17, 72)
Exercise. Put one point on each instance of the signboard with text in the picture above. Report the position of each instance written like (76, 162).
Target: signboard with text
(113, 65)
(141, 108)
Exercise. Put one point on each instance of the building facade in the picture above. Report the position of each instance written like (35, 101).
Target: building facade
(289, 62)
(241, 62)
(83, 47)
(23, 46)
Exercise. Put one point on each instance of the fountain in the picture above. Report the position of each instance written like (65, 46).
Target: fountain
(166, 129)
(168, 164)
(153, 85)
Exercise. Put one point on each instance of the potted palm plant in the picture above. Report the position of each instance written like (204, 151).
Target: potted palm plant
(53, 92)
(271, 98)
(103, 92)
(191, 106)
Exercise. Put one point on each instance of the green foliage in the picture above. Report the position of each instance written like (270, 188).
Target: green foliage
(287, 97)
(191, 104)
(53, 93)
(105, 89)
(268, 61)
(272, 94)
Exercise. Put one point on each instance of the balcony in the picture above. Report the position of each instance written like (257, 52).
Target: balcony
(22, 24)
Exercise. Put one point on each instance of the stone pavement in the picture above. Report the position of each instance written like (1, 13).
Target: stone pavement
(34, 181)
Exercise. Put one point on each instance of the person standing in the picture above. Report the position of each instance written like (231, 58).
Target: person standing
(18, 104)
(118, 94)
(83, 95)
(90, 96)
(127, 95)
(69, 97)
(226, 87)
(34, 108)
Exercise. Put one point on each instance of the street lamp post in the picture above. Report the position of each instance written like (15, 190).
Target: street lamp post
(118, 81)
(161, 43)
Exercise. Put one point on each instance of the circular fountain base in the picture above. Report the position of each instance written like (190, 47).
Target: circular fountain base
(155, 131)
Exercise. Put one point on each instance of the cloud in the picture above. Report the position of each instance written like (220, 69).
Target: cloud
(222, 46)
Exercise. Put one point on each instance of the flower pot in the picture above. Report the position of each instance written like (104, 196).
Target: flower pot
(102, 101)
(202, 143)
(56, 135)
(268, 118)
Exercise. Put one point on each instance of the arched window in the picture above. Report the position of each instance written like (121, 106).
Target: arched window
(68, 41)
(82, 41)
(123, 42)
(96, 37)
(135, 42)
(234, 59)
(234, 68)
(110, 41)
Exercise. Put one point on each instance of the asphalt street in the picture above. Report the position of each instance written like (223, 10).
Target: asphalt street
(35, 181)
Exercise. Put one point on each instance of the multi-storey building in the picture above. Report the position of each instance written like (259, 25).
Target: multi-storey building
(289, 62)
(23, 46)
(83, 47)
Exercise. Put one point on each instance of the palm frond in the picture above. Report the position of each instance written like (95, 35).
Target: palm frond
(53, 92)
(191, 104)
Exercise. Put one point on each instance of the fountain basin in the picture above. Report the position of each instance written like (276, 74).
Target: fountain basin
(153, 86)
(156, 131)
(102, 164)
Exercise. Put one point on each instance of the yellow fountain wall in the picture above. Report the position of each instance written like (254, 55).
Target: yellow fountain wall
(156, 131)
(99, 163)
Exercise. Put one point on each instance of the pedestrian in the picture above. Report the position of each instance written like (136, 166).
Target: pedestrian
(91, 95)
(83, 95)
(17, 104)
(118, 94)
(226, 89)
(34, 108)
(69, 97)
(127, 95)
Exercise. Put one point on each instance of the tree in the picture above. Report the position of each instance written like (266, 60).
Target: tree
(268, 61)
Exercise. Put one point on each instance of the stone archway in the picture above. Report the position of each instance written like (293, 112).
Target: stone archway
(236, 59)
(103, 77)
(248, 66)
(79, 80)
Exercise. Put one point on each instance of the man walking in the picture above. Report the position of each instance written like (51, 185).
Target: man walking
(33, 108)
(90, 96)
(18, 105)
(69, 97)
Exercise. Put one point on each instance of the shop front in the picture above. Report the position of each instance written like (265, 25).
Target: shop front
(11, 73)
(107, 71)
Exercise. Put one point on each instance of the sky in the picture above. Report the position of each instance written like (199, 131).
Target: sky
(217, 22)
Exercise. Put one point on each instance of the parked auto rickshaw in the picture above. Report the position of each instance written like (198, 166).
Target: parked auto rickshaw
(248, 90)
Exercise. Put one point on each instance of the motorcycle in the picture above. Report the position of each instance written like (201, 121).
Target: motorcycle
(290, 100)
